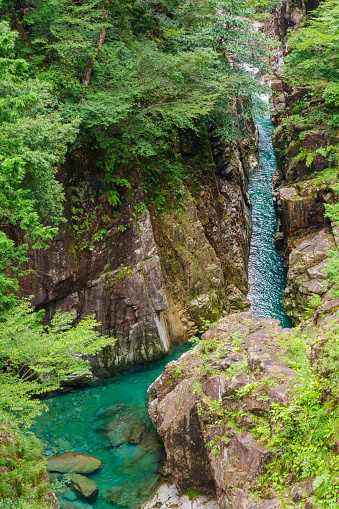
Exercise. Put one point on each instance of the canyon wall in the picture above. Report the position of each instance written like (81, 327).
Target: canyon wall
(304, 234)
(151, 274)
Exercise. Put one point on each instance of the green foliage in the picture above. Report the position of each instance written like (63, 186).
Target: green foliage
(314, 56)
(193, 494)
(313, 304)
(33, 138)
(164, 67)
(23, 472)
(236, 368)
(263, 8)
(304, 433)
(35, 359)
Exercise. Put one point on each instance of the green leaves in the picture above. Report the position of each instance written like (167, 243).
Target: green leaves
(305, 431)
(34, 135)
(314, 56)
(35, 359)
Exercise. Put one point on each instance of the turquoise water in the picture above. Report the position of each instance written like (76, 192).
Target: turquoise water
(73, 422)
(266, 272)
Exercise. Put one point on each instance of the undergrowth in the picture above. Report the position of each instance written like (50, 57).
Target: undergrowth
(304, 434)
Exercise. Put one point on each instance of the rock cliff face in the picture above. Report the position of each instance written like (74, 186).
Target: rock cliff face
(151, 275)
(304, 234)
(206, 423)
(226, 410)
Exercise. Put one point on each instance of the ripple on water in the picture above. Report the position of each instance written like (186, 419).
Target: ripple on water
(83, 420)
(266, 272)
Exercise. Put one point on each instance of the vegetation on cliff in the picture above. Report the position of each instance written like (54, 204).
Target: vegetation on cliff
(123, 78)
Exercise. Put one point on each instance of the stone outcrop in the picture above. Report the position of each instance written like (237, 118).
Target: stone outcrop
(206, 423)
(304, 234)
(83, 486)
(149, 274)
(306, 275)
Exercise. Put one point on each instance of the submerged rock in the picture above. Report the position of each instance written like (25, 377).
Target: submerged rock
(74, 505)
(130, 493)
(83, 486)
(74, 462)
(124, 432)
(69, 495)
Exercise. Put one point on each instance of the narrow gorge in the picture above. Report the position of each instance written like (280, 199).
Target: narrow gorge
(169, 279)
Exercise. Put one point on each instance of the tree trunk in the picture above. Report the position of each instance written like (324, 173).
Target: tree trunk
(91, 62)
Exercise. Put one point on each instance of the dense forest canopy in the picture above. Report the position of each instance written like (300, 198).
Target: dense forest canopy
(124, 79)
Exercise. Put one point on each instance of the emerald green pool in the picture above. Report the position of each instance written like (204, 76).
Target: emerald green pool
(266, 272)
(72, 422)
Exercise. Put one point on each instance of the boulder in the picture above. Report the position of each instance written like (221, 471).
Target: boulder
(236, 383)
(215, 386)
(64, 504)
(280, 394)
(125, 432)
(276, 368)
(246, 455)
(74, 462)
(70, 496)
(129, 495)
(301, 491)
(83, 486)
(179, 427)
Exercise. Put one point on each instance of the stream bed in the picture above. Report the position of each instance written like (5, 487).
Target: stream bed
(82, 421)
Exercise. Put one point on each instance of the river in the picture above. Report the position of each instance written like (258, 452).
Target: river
(266, 272)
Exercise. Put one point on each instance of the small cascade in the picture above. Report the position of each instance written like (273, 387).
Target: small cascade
(162, 330)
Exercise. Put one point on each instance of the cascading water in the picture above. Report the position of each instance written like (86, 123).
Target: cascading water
(266, 272)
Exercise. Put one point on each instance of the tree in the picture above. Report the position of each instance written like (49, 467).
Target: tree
(314, 56)
(35, 359)
(163, 66)
(34, 135)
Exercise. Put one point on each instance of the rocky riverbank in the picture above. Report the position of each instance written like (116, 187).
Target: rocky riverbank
(220, 411)
(205, 405)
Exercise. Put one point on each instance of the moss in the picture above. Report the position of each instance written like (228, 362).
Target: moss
(193, 494)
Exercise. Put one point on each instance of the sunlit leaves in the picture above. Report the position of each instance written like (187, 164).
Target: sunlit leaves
(35, 359)
(34, 136)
